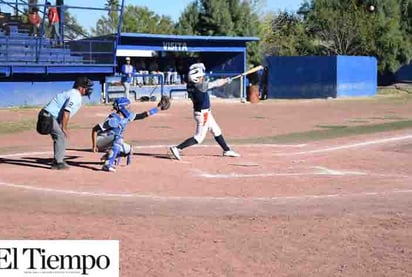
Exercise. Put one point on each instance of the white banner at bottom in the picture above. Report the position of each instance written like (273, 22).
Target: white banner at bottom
(51, 258)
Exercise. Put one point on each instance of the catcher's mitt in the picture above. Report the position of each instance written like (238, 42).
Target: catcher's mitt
(164, 103)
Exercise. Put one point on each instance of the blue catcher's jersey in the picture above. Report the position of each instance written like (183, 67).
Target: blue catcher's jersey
(115, 125)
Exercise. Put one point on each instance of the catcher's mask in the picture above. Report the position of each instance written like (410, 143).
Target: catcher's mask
(120, 104)
(85, 83)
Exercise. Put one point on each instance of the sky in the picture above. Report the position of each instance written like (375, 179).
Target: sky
(166, 7)
(161, 7)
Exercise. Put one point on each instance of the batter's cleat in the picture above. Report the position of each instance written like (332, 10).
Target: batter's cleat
(108, 168)
(175, 152)
(59, 166)
(230, 153)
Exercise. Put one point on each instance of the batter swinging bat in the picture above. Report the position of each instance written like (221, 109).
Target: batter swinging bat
(257, 68)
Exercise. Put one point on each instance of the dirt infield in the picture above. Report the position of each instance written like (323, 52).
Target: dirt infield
(323, 188)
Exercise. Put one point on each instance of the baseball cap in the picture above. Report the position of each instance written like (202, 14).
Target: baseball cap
(127, 58)
(82, 82)
(86, 83)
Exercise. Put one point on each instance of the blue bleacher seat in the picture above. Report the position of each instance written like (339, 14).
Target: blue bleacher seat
(18, 47)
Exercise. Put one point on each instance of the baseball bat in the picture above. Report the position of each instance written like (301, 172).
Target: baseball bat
(257, 68)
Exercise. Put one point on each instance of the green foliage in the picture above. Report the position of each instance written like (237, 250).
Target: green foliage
(188, 20)
(108, 24)
(335, 27)
(142, 20)
(73, 29)
(284, 35)
(136, 19)
(247, 23)
(214, 18)
(223, 18)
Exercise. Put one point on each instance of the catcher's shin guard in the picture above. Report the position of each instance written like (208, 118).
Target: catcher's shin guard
(112, 155)
(127, 151)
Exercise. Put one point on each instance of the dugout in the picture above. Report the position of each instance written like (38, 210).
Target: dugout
(223, 56)
(321, 76)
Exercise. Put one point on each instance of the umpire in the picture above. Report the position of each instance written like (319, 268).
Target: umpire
(54, 117)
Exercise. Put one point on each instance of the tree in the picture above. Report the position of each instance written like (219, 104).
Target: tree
(73, 30)
(349, 28)
(247, 24)
(136, 20)
(188, 20)
(214, 18)
(337, 26)
(108, 24)
(285, 34)
(223, 18)
(142, 20)
(113, 14)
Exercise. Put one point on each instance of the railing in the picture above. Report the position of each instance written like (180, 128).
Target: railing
(113, 85)
(93, 51)
(18, 47)
(22, 48)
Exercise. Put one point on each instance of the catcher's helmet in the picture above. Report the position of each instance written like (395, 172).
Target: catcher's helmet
(120, 105)
(86, 83)
(195, 74)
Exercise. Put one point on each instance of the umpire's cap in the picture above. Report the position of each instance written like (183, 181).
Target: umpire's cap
(86, 83)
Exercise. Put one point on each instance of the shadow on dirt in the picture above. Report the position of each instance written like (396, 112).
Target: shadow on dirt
(154, 155)
(45, 163)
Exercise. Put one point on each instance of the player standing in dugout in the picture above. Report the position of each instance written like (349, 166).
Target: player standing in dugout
(197, 89)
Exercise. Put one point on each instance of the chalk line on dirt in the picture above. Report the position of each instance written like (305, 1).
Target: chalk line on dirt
(348, 146)
(318, 170)
(327, 149)
(164, 146)
(201, 198)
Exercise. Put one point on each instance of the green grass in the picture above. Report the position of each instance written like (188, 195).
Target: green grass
(331, 126)
(330, 133)
(8, 127)
(394, 91)
(388, 117)
(12, 127)
(24, 107)
(358, 121)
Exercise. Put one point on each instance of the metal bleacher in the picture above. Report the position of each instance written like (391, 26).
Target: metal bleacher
(21, 53)
(20, 48)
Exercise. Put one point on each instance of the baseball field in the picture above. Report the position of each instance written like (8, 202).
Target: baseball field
(322, 188)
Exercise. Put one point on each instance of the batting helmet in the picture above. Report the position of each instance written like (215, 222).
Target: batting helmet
(195, 74)
(120, 105)
(198, 65)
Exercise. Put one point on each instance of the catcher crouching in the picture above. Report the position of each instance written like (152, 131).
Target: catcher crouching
(108, 136)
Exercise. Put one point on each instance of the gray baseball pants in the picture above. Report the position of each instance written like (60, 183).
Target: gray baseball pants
(59, 142)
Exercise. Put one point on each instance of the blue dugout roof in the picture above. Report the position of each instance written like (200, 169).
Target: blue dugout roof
(182, 43)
